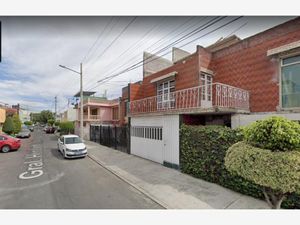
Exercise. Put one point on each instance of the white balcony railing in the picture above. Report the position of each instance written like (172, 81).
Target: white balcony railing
(206, 96)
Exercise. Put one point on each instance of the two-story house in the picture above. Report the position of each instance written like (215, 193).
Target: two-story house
(232, 82)
(96, 110)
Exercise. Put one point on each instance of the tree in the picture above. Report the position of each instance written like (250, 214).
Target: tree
(51, 122)
(268, 156)
(28, 123)
(46, 115)
(67, 127)
(35, 117)
(8, 126)
(17, 123)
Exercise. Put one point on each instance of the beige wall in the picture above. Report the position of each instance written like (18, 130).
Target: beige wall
(2, 118)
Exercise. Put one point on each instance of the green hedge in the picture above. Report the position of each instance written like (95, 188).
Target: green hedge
(66, 127)
(203, 149)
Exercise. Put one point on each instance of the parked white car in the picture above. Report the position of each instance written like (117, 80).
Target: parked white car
(71, 146)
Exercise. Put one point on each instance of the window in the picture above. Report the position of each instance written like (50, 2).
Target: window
(2, 138)
(165, 95)
(154, 133)
(94, 112)
(206, 83)
(290, 82)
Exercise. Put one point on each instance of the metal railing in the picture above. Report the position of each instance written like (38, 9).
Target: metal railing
(206, 96)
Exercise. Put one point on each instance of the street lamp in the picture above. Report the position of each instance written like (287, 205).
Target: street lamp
(81, 96)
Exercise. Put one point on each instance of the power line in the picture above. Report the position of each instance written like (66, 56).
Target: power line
(135, 45)
(176, 28)
(115, 39)
(97, 39)
(136, 65)
(186, 36)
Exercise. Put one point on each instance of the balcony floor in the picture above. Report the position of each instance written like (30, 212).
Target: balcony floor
(211, 110)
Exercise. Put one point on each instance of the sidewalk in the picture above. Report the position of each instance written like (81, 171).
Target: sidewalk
(168, 187)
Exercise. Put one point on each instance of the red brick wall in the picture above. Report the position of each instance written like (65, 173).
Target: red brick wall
(187, 76)
(135, 92)
(247, 66)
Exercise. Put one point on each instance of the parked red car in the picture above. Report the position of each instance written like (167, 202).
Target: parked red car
(8, 143)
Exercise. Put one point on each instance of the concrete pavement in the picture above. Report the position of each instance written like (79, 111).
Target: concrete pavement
(170, 188)
(38, 177)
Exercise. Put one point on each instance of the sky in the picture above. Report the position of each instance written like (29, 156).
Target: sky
(33, 47)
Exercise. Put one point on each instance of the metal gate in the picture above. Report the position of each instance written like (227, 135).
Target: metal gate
(116, 137)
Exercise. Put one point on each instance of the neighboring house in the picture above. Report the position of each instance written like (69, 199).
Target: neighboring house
(24, 115)
(2, 118)
(231, 82)
(69, 115)
(96, 110)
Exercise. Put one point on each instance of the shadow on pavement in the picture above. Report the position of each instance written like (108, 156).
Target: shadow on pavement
(57, 153)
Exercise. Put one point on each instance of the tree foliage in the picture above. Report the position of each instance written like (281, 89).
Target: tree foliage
(274, 133)
(51, 122)
(8, 126)
(66, 127)
(17, 123)
(28, 123)
(46, 115)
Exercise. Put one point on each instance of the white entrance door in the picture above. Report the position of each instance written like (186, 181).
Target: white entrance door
(206, 90)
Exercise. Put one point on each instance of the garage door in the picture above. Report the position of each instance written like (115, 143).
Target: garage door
(156, 138)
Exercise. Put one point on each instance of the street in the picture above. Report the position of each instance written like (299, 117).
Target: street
(38, 177)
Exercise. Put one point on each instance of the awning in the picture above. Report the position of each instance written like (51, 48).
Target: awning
(169, 75)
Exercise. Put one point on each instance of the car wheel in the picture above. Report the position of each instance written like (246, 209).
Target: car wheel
(5, 148)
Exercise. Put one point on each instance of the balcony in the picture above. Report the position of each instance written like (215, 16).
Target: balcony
(207, 98)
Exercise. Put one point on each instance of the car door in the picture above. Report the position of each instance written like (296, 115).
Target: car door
(61, 143)
(1, 141)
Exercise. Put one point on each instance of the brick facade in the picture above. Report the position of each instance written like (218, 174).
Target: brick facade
(244, 64)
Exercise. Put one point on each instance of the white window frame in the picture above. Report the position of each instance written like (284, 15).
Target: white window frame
(280, 79)
(165, 100)
(206, 94)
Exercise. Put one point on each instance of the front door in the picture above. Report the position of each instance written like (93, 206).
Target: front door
(206, 90)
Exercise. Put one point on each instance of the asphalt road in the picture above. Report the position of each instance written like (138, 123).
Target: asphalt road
(38, 177)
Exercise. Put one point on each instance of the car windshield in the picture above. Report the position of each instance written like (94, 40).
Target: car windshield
(73, 140)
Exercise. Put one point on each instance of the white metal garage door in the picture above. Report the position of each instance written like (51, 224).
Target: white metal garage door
(156, 138)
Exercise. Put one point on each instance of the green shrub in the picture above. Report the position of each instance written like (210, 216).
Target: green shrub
(202, 152)
(276, 170)
(66, 127)
(8, 126)
(57, 123)
(203, 149)
(274, 133)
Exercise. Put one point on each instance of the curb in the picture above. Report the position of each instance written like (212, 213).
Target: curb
(99, 162)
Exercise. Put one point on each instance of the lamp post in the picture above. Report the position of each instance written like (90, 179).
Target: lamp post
(81, 96)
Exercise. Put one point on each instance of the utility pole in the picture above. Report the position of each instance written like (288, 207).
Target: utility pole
(81, 96)
(81, 103)
(55, 100)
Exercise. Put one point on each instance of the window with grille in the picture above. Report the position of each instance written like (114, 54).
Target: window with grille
(154, 133)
